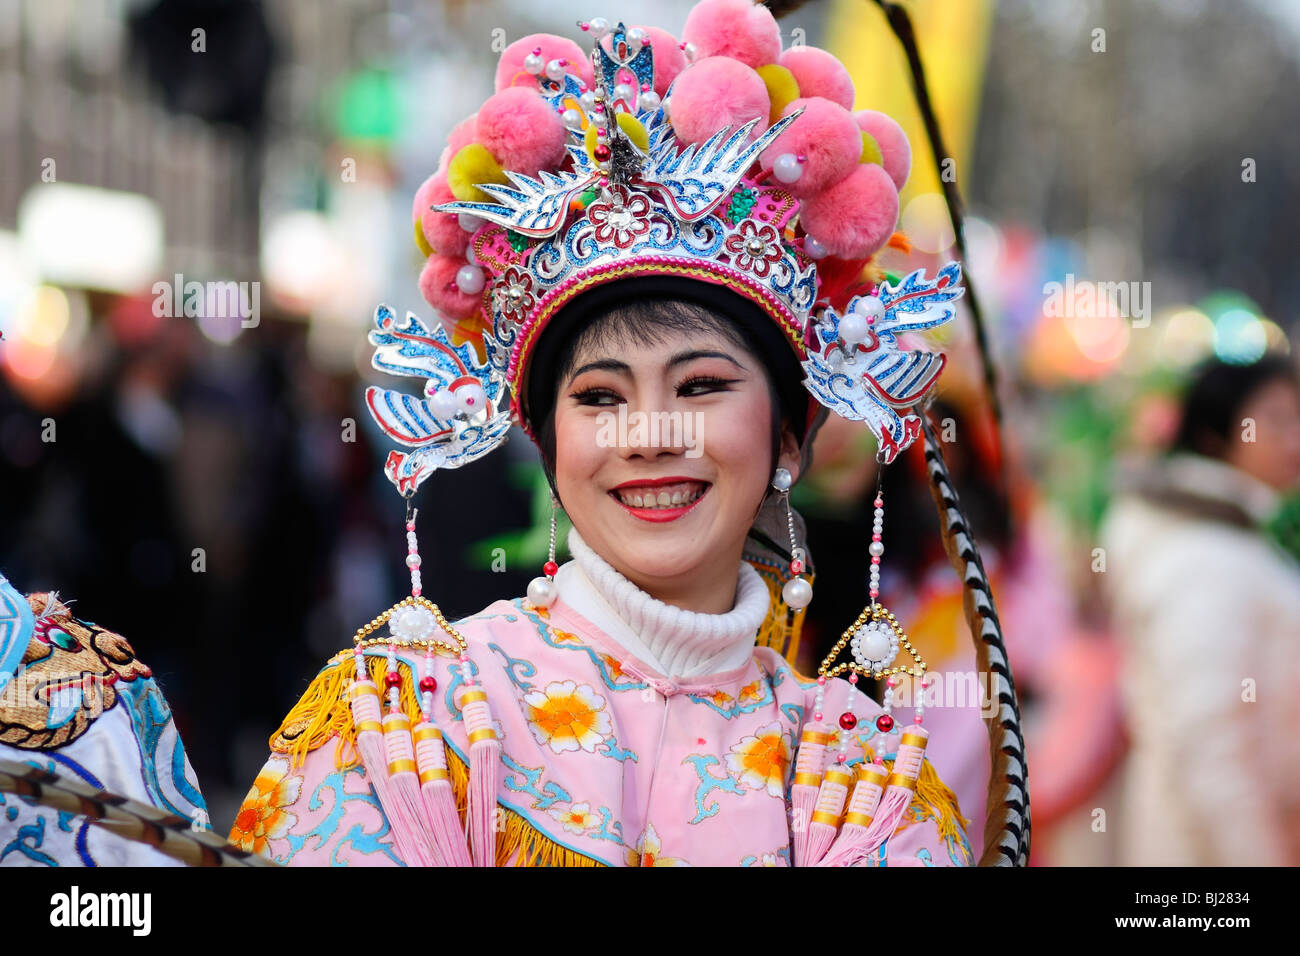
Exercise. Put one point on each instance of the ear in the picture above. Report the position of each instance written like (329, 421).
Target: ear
(790, 456)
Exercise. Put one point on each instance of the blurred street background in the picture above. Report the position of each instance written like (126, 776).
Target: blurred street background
(212, 488)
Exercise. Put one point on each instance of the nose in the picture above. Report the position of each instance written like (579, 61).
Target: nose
(654, 428)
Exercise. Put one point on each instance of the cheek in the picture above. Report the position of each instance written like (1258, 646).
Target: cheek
(738, 438)
(578, 455)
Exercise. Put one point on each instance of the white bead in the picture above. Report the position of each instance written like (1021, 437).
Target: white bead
(787, 168)
(469, 279)
(443, 404)
(649, 100)
(689, 52)
(599, 26)
(813, 247)
(782, 480)
(588, 100)
(572, 118)
(854, 328)
(471, 398)
(412, 560)
(541, 592)
(797, 593)
(555, 70)
(412, 623)
(623, 91)
(870, 306)
(470, 222)
(533, 63)
(636, 36)
(666, 107)
(876, 549)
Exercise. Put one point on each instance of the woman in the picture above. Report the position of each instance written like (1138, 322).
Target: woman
(1208, 609)
(629, 710)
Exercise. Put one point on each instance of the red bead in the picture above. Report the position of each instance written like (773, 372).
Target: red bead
(884, 723)
(848, 721)
(796, 566)
(428, 683)
(393, 679)
(550, 567)
(879, 503)
(601, 153)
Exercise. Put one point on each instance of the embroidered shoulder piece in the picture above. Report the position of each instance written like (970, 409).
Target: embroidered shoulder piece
(69, 673)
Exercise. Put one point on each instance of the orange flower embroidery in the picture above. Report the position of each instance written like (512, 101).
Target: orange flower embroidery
(760, 762)
(264, 815)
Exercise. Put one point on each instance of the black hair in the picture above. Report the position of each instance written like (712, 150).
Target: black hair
(1213, 402)
(668, 305)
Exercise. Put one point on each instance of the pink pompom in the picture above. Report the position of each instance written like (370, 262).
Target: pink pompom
(668, 56)
(819, 73)
(462, 134)
(828, 139)
(856, 216)
(891, 139)
(741, 29)
(521, 130)
(716, 92)
(438, 286)
(441, 229)
(510, 68)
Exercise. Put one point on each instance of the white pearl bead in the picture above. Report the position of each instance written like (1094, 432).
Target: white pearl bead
(541, 592)
(854, 328)
(636, 36)
(689, 52)
(666, 107)
(876, 549)
(649, 100)
(470, 399)
(554, 70)
(533, 63)
(443, 404)
(599, 26)
(600, 119)
(572, 118)
(797, 593)
(412, 560)
(787, 168)
(870, 306)
(470, 222)
(813, 247)
(782, 480)
(469, 279)
(623, 91)
(588, 100)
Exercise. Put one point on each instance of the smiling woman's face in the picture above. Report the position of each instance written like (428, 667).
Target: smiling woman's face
(669, 511)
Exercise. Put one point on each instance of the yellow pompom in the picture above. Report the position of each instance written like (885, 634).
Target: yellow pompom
(782, 88)
(633, 130)
(871, 150)
(422, 241)
(473, 164)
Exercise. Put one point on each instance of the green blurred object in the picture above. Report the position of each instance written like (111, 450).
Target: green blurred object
(369, 107)
(529, 546)
(1285, 525)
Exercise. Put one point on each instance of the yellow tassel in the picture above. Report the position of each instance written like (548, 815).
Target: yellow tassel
(783, 625)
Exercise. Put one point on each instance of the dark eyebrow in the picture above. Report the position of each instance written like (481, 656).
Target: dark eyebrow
(622, 368)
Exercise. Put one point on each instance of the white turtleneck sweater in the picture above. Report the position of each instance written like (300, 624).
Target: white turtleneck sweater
(676, 642)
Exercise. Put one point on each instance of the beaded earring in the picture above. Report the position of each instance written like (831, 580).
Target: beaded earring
(541, 590)
(797, 592)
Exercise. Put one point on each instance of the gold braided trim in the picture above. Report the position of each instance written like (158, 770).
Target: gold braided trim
(323, 714)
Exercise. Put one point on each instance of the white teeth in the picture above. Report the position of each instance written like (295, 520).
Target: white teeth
(677, 498)
(665, 498)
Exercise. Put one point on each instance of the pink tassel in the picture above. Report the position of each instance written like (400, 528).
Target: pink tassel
(901, 785)
(374, 756)
(826, 817)
(484, 764)
(807, 778)
(405, 811)
(439, 801)
(849, 848)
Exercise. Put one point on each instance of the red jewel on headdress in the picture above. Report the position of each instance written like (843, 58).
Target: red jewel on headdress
(848, 721)
(428, 683)
(392, 679)
(884, 723)
(601, 153)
